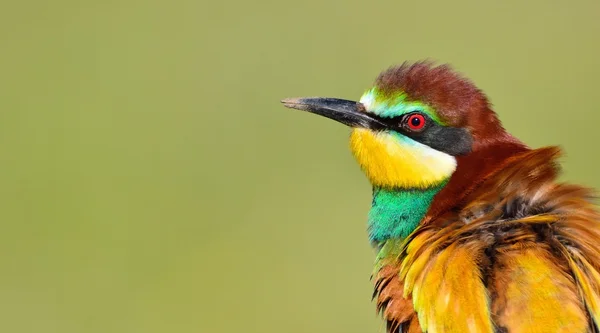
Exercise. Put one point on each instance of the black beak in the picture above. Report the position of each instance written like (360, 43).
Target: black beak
(346, 112)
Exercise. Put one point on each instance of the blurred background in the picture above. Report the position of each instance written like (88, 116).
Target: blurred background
(150, 180)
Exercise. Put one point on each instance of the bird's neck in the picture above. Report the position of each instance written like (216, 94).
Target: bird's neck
(395, 213)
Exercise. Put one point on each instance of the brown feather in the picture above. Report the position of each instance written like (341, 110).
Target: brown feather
(457, 101)
(527, 232)
(504, 247)
(390, 300)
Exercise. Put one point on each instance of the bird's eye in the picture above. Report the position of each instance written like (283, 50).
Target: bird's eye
(415, 121)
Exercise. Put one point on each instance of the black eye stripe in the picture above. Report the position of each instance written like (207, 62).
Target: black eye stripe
(400, 123)
(451, 140)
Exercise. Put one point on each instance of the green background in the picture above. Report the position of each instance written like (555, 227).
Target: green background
(150, 181)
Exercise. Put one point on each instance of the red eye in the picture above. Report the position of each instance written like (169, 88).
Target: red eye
(415, 122)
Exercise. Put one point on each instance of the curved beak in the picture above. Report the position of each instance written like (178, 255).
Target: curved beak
(347, 112)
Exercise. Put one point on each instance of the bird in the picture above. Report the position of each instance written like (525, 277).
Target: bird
(472, 229)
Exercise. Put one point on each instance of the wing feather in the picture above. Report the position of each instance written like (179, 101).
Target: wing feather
(522, 255)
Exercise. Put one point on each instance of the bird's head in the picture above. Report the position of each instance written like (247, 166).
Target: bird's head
(413, 124)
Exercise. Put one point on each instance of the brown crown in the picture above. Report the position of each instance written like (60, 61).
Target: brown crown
(456, 100)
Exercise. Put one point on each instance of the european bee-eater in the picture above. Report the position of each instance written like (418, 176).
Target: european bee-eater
(473, 231)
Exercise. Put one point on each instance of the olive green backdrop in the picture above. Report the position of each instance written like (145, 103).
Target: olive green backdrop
(150, 181)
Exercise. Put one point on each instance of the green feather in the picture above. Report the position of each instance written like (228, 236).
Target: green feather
(396, 213)
(395, 105)
(389, 250)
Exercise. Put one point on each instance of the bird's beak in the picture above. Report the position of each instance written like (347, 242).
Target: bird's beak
(349, 113)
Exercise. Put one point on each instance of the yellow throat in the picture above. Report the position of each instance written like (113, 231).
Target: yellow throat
(393, 160)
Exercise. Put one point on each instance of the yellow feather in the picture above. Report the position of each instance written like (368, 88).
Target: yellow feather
(448, 294)
(539, 297)
(390, 160)
(415, 260)
(588, 284)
